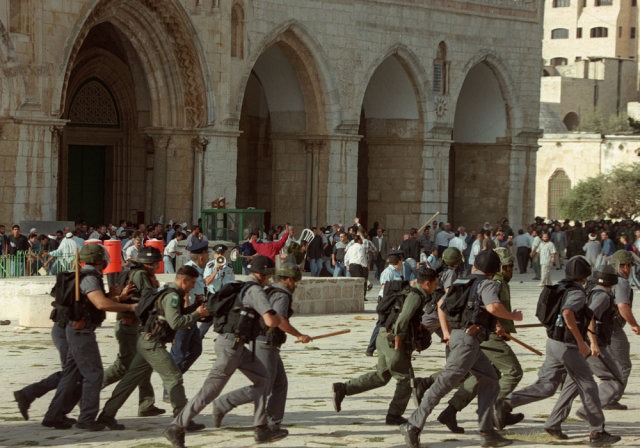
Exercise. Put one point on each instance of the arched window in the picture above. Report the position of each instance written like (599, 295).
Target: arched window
(93, 105)
(571, 121)
(18, 16)
(559, 186)
(440, 72)
(237, 32)
(599, 31)
(560, 33)
(559, 61)
(561, 3)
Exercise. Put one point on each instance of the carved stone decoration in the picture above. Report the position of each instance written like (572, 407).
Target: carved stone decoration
(310, 145)
(200, 143)
(183, 45)
(442, 107)
(93, 105)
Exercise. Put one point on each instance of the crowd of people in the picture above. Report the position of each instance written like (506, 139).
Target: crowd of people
(429, 279)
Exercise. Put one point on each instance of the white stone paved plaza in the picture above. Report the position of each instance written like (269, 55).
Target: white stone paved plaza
(28, 355)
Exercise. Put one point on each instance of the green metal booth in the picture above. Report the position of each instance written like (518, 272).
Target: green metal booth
(231, 225)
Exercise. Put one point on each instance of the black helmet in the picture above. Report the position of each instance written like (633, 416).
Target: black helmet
(148, 255)
(605, 276)
(488, 262)
(577, 268)
(261, 265)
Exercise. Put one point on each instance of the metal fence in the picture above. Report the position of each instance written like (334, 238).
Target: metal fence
(26, 264)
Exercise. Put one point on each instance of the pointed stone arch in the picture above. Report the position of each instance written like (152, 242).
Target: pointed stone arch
(508, 87)
(311, 63)
(417, 75)
(174, 63)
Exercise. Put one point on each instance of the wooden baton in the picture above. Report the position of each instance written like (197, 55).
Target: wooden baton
(517, 341)
(428, 222)
(77, 268)
(365, 318)
(329, 335)
(529, 326)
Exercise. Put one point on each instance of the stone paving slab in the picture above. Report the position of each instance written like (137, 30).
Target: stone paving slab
(28, 355)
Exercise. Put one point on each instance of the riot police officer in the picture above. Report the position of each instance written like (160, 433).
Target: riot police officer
(216, 275)
(142, 276)
(83, 359)
(168, 313)
(267, 349)
(232, 355)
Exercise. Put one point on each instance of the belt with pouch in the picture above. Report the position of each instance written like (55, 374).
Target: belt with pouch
(474, 331)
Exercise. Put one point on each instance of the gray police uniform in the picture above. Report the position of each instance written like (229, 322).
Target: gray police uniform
(609, 388)
(620, 348)
(83, 358)
(564, 360)
(230, 359)
(465, 357)
(447, 278)
(268, 352)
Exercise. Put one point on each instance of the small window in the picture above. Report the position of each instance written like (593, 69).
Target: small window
(16, 16)
(579, 33)
(584, 4)
(634, 2)
(633, 32)
(440, 70)
(561, 3)
(599, 31)
(559, 186)
(620, 32)
(596, 92)
(237, 32)
(604, 2)
(559, 61)
(560, 33)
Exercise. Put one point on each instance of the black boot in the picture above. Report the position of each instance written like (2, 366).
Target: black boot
(193, 426)
(411, 435)
(557, 434)
(493, 438)
(419, 388)
(217, 416)
(602, 439)
(448, 418)
(339, 392)
(395, 420)
(57, 425)
(91, 426)
(110, 422)
(513, 419)
(264, 434)
(501, 409)
(23, 403)
(151, 412)
(615, 406)
(175, 435)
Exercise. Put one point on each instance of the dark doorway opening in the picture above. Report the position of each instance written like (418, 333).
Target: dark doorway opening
(85, 183)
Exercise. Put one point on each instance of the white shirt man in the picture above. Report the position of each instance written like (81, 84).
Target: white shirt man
(458, 242)
(132, 251)
(356, 254)
(523, 240)
(445, 236)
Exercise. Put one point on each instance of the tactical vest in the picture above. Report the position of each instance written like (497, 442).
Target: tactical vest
(583, 319)
(157, 326)
(604, 325)
(275, 335)
(475, 312)
(242, 321)
(135, 295)
(93, 315)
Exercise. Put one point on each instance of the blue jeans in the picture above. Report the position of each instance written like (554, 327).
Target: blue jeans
(340, 270)
(410, 269)
(245, 270)
(316, 267)
(204, 328)
(187, 347)
(374, 336)
(327, 264)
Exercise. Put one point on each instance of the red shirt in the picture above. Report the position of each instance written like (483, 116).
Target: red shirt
(270, 249)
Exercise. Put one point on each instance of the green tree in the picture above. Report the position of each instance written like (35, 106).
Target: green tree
(615, 195)
(594, 121)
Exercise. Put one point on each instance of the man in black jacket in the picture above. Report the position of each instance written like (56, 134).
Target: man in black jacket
(411, 251)
(314, 253)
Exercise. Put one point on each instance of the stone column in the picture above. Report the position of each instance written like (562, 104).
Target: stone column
(313, 148)
(342, 180)
(56, 141)
(289, 180)
(435, 180)
(199, 146)
(161, 144)
(220, 168)
(522, 179)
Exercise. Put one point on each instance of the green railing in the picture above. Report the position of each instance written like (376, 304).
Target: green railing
(26, 264)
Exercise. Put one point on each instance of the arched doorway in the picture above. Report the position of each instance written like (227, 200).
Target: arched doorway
(559, 186)
(135, 95)
(479, 164)
(282, 161)
(389, 172)
(571, 121)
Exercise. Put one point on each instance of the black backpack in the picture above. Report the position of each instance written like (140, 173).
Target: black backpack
(65, 307)
(393, 297)
(147, 303)
(550, 305)
(124, 277)
(225, 306)
(459, 304)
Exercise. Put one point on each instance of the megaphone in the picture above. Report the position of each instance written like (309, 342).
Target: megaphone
(221, 261)
(235, 254)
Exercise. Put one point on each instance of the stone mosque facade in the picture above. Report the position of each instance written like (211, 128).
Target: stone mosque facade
(314, 110)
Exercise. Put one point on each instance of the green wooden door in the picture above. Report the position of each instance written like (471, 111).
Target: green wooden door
(85, 184)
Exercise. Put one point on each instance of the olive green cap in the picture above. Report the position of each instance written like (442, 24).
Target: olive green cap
(289, 270)
(622, 257)
(91, 253)
(452, 256)
(506, 257)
